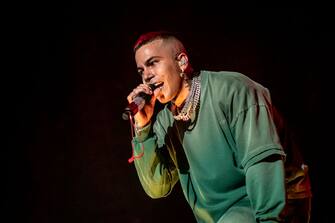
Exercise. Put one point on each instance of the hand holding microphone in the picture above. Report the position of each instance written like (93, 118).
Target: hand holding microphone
(138, 98)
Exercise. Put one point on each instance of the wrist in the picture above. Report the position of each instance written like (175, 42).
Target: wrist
(139, 128)
(140, 125)
(142, 133)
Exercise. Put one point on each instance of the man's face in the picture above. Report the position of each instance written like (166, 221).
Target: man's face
(156, 63)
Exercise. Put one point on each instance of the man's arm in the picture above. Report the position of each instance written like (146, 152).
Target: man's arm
(155, 169)
(266, 189)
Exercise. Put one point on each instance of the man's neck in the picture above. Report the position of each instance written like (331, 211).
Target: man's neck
(183, 94)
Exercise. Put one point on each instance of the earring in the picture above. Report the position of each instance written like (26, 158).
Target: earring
(182, 74)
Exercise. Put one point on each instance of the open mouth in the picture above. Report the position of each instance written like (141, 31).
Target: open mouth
(158, 84)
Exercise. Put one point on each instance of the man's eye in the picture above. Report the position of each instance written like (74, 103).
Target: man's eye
(152, 62)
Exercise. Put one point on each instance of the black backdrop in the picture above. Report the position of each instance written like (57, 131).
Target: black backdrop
(74, 67)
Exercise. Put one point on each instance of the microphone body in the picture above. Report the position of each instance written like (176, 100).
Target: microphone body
(137, 104)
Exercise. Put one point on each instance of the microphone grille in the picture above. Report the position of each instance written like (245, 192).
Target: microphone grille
(152, 87)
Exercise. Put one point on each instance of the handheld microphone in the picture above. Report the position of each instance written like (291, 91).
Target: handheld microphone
(138, 103)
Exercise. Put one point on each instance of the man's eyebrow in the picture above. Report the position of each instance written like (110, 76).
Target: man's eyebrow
(147, 62)
(150, 59)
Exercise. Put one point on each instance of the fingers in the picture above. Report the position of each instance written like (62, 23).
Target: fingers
(140, 88)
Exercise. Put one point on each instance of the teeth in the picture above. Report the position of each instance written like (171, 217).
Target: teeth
(158, 83)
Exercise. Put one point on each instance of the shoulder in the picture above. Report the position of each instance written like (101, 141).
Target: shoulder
(233, 90)
(230, 81)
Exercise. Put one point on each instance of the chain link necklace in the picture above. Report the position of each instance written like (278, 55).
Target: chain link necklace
(192, 101)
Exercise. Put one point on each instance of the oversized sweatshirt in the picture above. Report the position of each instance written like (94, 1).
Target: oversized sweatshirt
(220, 156)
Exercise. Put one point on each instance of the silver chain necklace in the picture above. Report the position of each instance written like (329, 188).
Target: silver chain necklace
(192, 101)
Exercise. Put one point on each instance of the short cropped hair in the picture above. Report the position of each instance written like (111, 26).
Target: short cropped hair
(164, 35)
(151, 36)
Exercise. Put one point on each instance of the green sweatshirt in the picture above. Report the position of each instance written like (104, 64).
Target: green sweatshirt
(217, 157)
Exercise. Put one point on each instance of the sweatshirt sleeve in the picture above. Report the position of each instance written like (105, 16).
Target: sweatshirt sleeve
(155, 168)
(266, 189)
(257, 143)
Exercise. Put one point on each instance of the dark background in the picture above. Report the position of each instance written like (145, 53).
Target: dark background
(73, 68)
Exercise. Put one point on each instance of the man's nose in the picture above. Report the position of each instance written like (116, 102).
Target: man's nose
(147, 77)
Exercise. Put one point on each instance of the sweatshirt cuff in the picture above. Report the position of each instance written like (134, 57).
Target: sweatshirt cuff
(141, 134)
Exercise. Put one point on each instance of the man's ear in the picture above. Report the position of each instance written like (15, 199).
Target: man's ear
(182, 62)
(182, 59)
